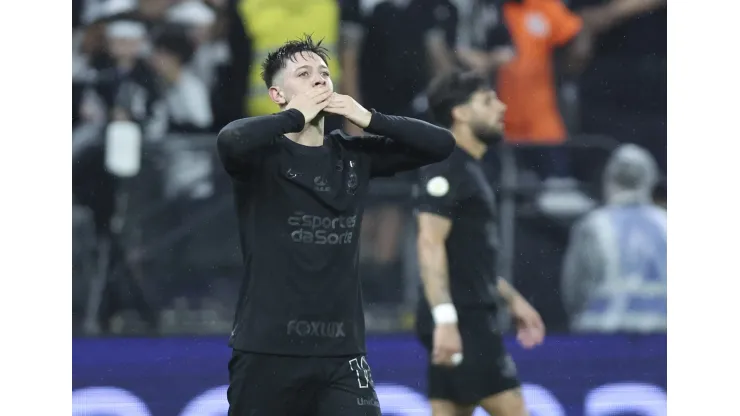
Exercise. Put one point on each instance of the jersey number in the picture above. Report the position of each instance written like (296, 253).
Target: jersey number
(362, 370)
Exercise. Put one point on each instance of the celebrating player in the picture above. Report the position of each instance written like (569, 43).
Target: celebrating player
(299, 332)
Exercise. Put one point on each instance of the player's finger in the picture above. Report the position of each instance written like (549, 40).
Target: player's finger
(324, 101)
(326, 95)
(438, 358)
(539, 326)
(319, 89)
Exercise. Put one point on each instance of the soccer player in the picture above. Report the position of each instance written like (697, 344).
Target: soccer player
(456, 214)
(299, 332)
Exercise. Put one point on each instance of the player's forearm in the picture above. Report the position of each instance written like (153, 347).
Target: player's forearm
(433, 265)
(506, 290)
(241, 137)
(420, 138)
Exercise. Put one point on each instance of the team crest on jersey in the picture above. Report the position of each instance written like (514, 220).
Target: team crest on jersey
(438, 186)
(352, 180)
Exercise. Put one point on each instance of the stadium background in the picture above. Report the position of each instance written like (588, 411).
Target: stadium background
(172, 266)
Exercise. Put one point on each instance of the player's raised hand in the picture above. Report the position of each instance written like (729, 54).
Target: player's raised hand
(447, 345)
(311, 102)
(530, 328)
(347, 107)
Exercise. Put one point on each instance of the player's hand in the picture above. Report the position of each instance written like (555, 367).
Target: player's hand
(530, 328)
(311, 102)
(446, 344)
(347, 107)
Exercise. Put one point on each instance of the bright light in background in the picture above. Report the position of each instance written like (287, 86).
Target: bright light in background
(611, 399)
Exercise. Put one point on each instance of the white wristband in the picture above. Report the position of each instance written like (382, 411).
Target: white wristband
(444, 314)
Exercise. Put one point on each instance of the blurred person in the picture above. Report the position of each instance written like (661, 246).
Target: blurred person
(153, 12)
(614, 273)
(210, 52)
(259, 26)
(186, 95)
(299, 331)
(410, 39)
(457, 244)
(546, 32)
(89, 55)
(121, 87)
(483, 41)
(128, 84)
(527, 85)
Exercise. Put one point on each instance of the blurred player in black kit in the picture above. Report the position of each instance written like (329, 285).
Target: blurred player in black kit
(299, 332)
(457, 240)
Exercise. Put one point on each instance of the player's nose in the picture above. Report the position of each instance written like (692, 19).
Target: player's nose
(319, 82)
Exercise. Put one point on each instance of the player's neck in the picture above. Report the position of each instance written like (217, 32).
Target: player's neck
(468, 142)
(311, 135)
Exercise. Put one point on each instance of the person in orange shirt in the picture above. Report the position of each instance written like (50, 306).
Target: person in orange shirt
(538, 28)
(526, 84)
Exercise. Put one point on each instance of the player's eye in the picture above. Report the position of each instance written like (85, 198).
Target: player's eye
(303, 74)
(326, 74)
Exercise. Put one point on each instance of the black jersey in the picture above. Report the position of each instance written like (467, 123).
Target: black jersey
(457, 189)
(300, 210)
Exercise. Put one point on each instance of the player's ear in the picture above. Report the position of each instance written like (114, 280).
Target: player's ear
(461, 113)
(277, 95)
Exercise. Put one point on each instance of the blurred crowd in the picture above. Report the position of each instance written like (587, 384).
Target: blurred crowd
(574, 74)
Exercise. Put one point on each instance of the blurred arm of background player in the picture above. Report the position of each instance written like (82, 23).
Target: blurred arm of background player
(352, 35)
(433, 232)
(597, 20)
(601, 18)
(440, 32)
(497, 48)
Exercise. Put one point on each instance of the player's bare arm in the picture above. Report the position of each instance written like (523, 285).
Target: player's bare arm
(347, 107)
(433, 232)
(530, 328)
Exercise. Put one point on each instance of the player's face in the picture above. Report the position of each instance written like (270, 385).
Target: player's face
(487, 116)
(305, 71)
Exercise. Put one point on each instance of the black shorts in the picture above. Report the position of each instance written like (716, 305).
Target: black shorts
(274, 385)
(487, 368)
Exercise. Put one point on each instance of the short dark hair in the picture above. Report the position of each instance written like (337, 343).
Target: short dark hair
(175, 40)
(277, 59)
(450, 90)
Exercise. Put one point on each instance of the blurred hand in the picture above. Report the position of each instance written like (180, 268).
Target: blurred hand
(311, 102)
(446, 342)
(347, 107)
(530, 328)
